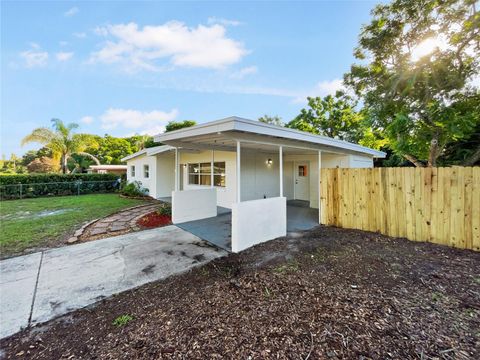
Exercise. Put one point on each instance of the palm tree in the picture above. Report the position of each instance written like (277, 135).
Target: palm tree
(62, 141)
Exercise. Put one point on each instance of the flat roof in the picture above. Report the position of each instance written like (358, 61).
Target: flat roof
(149, 151)
(108, 167)
(227, 131)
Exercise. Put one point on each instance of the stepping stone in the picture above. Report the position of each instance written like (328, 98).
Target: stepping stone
(97, 231)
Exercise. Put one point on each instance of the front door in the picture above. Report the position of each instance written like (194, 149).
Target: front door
(302, 173)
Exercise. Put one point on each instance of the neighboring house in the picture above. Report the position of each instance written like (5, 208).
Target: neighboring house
(256, 167)
(107, 169)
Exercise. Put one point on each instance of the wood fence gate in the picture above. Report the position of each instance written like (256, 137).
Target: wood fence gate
(439, 205)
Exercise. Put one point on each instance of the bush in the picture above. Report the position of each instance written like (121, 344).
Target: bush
(30, 186)
(165, 209)
(134, 189)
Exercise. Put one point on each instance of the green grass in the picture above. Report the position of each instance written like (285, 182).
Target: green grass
(30, 222)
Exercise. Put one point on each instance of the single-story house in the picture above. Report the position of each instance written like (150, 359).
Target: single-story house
(248, 169)
(107, 169)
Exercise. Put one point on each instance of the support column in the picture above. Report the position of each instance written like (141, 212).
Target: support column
(177, 170)
(280, 159)
(238, 173)
(319, 187)
(211, 168)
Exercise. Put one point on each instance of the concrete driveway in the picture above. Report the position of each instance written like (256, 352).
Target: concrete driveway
(38, 287)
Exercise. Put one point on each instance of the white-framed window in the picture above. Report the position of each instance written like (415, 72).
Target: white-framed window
(200, 174)
(132, 171)
(146, 171)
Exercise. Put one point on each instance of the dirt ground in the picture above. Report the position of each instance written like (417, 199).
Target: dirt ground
(329, 294)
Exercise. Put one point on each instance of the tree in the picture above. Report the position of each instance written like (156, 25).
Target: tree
(62, 141)
(272, 120)
(43, 165)
(417, 60)
(111, 150)
(177, 125)
(333, 116)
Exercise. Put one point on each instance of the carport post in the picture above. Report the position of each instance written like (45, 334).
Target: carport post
(280, 159)
(319, 187)
(238, 172)
(211, 168)
(176, 169)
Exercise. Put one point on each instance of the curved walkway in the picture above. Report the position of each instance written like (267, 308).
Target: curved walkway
(122, 222)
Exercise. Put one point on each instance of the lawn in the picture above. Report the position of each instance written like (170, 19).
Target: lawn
(329, 294)
(44, 222)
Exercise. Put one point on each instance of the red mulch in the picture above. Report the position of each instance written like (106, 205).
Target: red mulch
(153, 220)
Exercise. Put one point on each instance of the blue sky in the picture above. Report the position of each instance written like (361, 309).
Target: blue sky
(122, 67)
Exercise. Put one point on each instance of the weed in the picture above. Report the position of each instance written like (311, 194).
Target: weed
(437, 296)
(266, 292)
(122, 320)
(291, 266)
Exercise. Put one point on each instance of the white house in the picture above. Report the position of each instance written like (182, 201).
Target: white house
(248, 167)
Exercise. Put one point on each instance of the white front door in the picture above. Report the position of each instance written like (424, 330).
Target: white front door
(302, 173)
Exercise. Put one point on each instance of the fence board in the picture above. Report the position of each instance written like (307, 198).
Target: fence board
(440, 205)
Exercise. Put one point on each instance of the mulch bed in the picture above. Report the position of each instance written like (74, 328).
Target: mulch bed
(153, 220)
(330, 294)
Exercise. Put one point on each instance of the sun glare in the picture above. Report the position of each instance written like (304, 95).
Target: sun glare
(427, 47)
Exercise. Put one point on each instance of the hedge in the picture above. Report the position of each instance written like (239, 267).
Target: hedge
(28, 186)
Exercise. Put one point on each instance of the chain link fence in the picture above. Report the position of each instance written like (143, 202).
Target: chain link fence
(79, 187)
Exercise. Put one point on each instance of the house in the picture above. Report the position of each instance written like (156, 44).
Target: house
(107, 169)
(244, 181)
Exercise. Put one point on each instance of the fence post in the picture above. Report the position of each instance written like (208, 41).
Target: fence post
(78, 188)
(21, 191)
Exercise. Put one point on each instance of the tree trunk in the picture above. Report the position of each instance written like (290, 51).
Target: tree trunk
(64, 163)
(434, 151)
(413, 160)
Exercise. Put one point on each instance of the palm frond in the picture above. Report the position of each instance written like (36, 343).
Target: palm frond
(89, 156)
(39, 135)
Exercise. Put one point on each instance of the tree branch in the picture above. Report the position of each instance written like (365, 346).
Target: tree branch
(473, 159)
(413, 160)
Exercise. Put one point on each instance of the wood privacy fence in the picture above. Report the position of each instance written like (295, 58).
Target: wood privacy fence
(439, 205)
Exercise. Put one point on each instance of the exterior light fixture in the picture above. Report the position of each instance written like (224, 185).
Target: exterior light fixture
(269, 162)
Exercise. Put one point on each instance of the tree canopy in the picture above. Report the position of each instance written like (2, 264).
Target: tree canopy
(416, 61)
(177, 125)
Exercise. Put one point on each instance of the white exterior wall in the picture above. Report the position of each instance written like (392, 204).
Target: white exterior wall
(150, 182)
(359, 161)
(258, 178)
(257, 221)
(165, 174)
(314, 180)
(192, 205)
(225, 195)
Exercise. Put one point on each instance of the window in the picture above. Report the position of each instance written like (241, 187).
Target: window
(302, 170)
(200, 174)
(146, 171)
(132, 171)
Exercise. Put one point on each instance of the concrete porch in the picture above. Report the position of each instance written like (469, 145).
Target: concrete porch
(218, 230)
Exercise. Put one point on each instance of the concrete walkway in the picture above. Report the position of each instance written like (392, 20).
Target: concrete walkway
(38, 287)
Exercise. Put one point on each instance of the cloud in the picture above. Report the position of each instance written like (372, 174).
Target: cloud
(142, 48)
(145, 122)
(34, 57)
(63, 56)
(323, 88)
(72, 11)
(87, 119)
(80, 35)
(225, 22)
(240, 74)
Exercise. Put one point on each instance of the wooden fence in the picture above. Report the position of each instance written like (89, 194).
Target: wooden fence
(439, 205)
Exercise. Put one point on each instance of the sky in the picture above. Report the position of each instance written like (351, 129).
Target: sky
(122, 67)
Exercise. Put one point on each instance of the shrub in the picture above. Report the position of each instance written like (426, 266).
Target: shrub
(134, 189)
(165, 209)
(30, 186)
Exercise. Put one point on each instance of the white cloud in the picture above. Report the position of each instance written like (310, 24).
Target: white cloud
(225, 22)
(87, 119)
(323, 88)
(63, 56)
(144, 122)
(240, 74)
(72, 11)
(80, 35)
(141, 48)
(34, 57)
